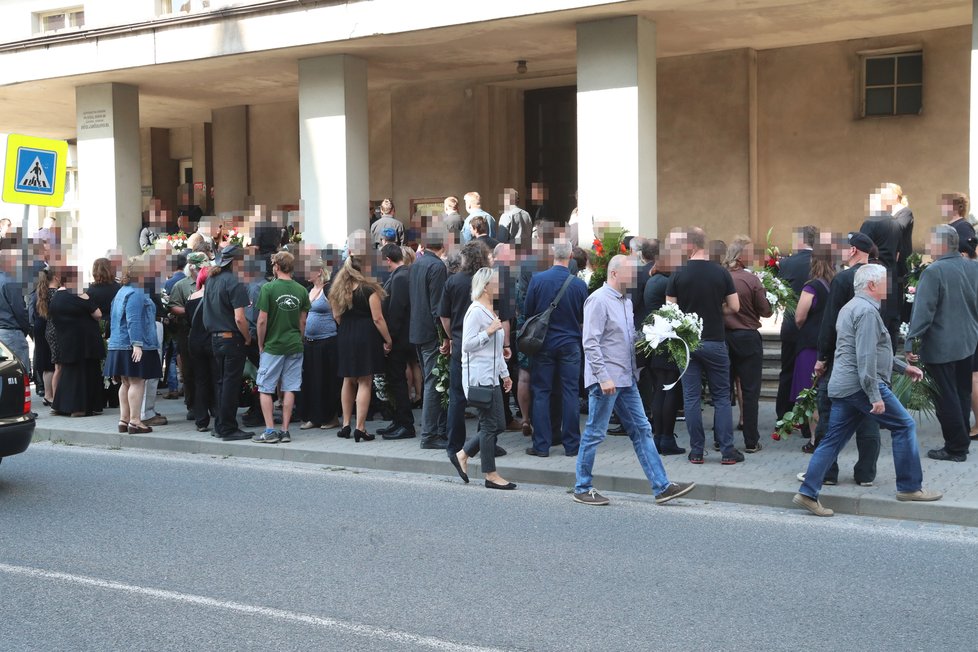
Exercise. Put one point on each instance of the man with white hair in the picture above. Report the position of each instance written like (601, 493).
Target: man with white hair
(859, 387)
(944, 325)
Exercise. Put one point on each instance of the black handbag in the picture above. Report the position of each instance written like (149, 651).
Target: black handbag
(534, 330)
(481, 396)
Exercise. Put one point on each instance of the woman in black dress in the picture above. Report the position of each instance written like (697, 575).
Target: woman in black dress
(102, 291)
(44, 359)
(80, 349)
(362, 341)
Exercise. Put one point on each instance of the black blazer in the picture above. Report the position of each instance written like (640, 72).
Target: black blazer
(426, 284)
(795, 270)
(397, 305)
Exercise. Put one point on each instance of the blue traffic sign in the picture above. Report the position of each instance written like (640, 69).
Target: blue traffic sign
(35, 170)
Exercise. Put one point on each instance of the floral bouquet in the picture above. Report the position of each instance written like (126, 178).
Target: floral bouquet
(177, 241)
(772, 255)
(779, 294)
(801, 413)
(296, 237)
(910, 294)
(609, 245)
(441, 371)
(673, 332)
(234, 237)
(918, 397)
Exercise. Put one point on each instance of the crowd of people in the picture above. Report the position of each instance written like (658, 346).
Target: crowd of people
(425, 314)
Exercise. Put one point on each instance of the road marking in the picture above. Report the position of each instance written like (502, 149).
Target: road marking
(356, 629)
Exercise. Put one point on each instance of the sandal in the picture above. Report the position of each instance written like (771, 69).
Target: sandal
(139, 430)
(123, 426)
(809, 447)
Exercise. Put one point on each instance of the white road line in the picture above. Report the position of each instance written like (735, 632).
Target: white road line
(356, 629)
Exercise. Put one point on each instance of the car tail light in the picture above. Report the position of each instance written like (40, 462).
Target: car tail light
(27, 394)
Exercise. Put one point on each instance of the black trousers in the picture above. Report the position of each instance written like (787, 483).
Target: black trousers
(187, 369)
(953, 402)
(229, 361)
(783, 403)
(665, 402)
(395, 367)
(646, 388)
(201, 360)
(746, 352)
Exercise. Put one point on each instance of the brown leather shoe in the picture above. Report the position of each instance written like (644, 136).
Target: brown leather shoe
(514, 426)
(158, 420)
(811, 505)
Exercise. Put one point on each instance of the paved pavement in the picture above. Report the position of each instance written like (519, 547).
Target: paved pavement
(141, 550)
(765, 478)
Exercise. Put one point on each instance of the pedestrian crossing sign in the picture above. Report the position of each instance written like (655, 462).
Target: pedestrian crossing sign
(34, 171)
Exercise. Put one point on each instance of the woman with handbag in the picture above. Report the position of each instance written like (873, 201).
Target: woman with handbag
(482, 367)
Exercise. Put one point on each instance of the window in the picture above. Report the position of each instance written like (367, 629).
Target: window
(55, 21)
(893, 84)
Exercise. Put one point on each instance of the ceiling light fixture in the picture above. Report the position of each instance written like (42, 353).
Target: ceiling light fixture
(521, 66)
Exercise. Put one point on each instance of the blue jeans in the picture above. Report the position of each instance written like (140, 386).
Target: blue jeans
(562, 365)
(627, 403)
(849, 411)
(713, 360)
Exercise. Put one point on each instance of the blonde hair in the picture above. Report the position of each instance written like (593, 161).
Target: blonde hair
(480, 281)
(409, 256)
(734, 250)
(347, 281)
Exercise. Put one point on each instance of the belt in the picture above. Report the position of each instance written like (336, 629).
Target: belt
(226, 334)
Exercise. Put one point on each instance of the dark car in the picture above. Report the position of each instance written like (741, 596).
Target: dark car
(16, 418)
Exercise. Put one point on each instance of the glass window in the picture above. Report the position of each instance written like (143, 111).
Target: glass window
(53, 21)
(893, 84)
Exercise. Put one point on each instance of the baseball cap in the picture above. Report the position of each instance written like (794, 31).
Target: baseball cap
(861, 241)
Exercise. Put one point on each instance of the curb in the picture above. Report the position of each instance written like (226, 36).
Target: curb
(861, 506)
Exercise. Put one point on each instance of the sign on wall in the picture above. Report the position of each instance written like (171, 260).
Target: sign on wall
(34, 171)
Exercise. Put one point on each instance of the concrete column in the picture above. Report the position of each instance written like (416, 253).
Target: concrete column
(108, 170)
(230, 148)
(973, 116)
(334, 145)
(203, 170)
(616, 125)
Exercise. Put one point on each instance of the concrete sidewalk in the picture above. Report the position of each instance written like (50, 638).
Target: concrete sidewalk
(765, 478)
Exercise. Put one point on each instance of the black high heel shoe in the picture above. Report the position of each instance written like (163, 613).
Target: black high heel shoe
(344, 432)
(359, 434)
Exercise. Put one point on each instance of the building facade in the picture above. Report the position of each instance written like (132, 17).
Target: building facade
(735, 116)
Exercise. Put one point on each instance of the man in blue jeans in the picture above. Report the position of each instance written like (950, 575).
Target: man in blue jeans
(611, 375)
(559, 360)
(707, 289)
(858, 387)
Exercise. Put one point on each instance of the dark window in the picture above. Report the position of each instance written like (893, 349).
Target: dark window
(893, 84)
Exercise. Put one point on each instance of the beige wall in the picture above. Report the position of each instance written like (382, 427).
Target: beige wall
(703, 142)
(273, 149)
(818, 162)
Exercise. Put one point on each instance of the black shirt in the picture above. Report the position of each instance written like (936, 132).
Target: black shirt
(638, 293)
(454, 303)
(506, 297)
(654, 294)
(842, 290)
(224, 293)
(703, 286)
(887, 235)
(966, 237)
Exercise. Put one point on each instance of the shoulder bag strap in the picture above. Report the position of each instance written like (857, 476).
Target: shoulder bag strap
(563, 288)
(468, 361)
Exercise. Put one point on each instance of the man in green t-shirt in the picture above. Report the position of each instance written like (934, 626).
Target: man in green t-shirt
(282, 308)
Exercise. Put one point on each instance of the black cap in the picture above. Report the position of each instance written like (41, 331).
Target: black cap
(861, 241)
(227, 255)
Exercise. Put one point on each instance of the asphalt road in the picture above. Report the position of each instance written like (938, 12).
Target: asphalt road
(113, 550)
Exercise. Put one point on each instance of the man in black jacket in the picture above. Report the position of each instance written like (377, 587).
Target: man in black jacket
(795, 270)
(427, 283)
(868, 431)
(890, 227)
(397, 313)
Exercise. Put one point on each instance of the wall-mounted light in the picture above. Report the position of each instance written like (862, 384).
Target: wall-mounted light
(521, 66)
